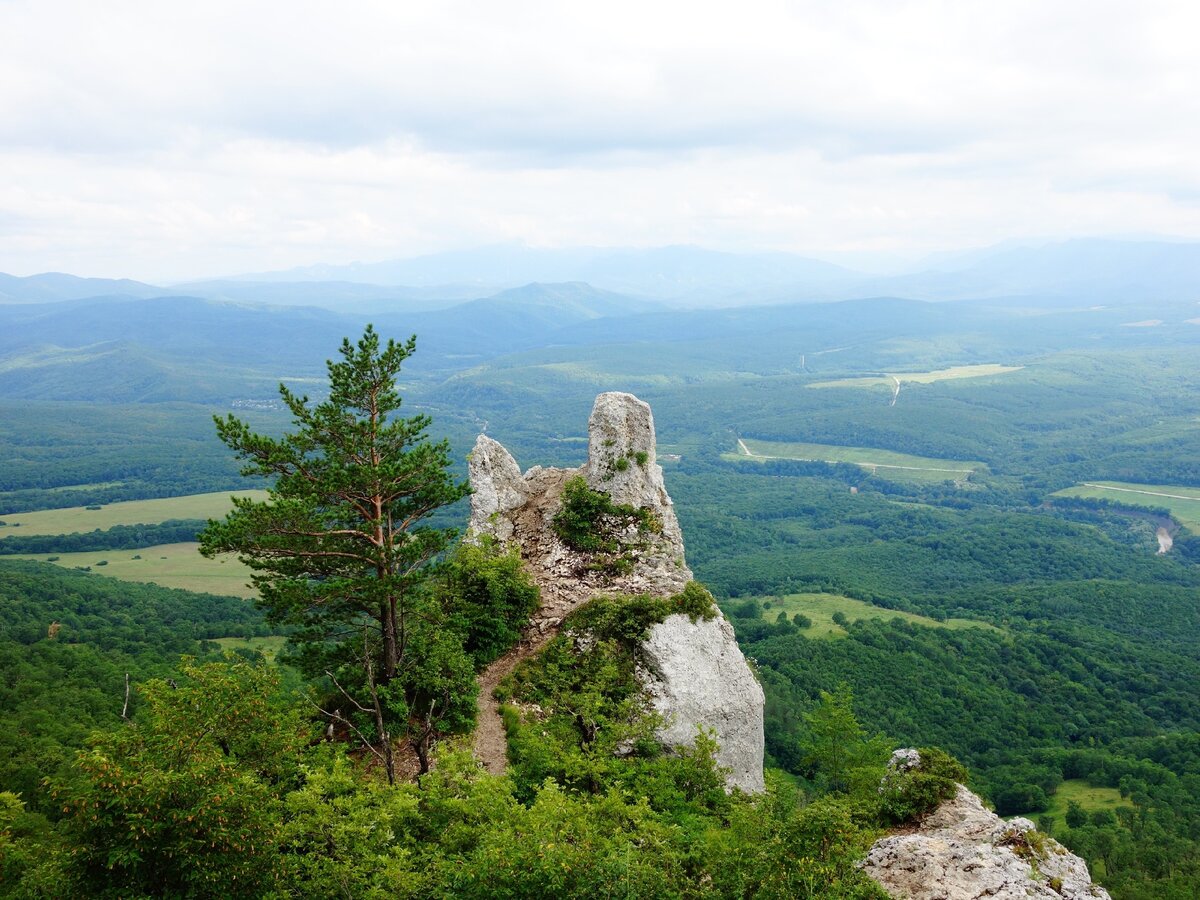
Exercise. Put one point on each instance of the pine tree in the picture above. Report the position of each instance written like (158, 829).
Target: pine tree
(340, 549)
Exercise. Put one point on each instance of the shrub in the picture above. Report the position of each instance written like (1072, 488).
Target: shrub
(589, 522)
(909, 794)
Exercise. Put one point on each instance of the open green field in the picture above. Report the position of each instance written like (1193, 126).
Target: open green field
(268, 646)
(885, 463)
(1183, 502)
(888, 379)
(132, 512)
(1091, 798)
(169, 565)
(820, 608)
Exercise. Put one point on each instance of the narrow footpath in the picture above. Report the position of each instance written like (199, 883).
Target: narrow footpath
(491, 744)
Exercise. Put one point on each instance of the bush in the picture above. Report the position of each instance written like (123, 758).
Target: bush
(906, 795)
(488, 597)
(589, 522)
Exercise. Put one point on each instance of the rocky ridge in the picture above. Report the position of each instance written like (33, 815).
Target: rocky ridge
(964, 851)
(695, 675)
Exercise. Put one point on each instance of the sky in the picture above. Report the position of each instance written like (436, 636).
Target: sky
(167, 141)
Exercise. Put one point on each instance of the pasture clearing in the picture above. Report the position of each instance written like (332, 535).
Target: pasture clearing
(885, 463)
(1090, 797)
(268, 646)
(130, 512)
(168, 565)
(888, 379)
(1183, 502)
(821, 608)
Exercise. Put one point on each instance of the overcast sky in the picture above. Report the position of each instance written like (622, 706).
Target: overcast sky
(164, 140)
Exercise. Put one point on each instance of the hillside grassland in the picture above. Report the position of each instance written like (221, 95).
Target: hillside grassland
(903, 466)
(212, 505)
(821, 608)
(1093, 798)
(1183, 502)
(268, 645)
(888, 379)
(167, 565)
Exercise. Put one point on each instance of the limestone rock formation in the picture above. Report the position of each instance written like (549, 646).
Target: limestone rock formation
(963, 851)
(696, 674)
(698, 677)
(498, 488)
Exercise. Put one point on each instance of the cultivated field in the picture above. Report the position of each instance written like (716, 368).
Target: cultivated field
(888, 379)
(132, 512)
(1183, 502)
(886, 463)
(820, 608)
(169, 565)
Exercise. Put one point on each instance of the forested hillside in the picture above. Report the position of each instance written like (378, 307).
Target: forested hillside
(833, 466)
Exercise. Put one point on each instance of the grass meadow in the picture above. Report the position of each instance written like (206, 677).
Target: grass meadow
(131, 512)
(885, 463)
(1183, 502)
(821, 608)
(168, 565)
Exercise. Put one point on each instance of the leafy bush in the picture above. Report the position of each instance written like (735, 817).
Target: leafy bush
(590, 522)
(488, 597)
(906, 795)
(578, 714)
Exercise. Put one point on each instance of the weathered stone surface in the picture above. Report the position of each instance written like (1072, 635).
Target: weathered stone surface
(963, 851)
(622, 458)
(497, 488)
(698, 677)
(520, 509)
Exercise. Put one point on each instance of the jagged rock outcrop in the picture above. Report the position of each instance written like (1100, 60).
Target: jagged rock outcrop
(695, 674)
(497, 488)
(963, 851)
(700, 678)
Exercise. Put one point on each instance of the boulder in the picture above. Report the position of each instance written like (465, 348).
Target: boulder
(497, 488)
(964, 851)
(698, 678)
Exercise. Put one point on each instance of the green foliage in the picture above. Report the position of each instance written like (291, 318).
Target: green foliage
(590, 522)
(578, 714)
(909, 794)
(67, 640)
(840, 753)
(338, 549)
(119, 537)
(487, 596)
(184, 801)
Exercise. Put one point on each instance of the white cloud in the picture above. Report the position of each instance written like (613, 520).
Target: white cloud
(169, 140)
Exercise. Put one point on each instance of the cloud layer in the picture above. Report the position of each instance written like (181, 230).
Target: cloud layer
(168, 141)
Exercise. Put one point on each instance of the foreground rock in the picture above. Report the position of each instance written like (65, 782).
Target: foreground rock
(963, 851)
(698, 677)
(695, 674)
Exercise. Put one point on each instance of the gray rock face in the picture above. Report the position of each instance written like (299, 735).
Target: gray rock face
(498, 488)
(622, 459)
(963, 851)
(698, 677)
(702, 678)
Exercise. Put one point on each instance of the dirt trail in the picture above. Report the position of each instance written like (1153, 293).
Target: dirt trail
(491, 744)
(559, 595)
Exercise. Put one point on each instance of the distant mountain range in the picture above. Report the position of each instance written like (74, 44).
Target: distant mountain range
(1069, 273)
